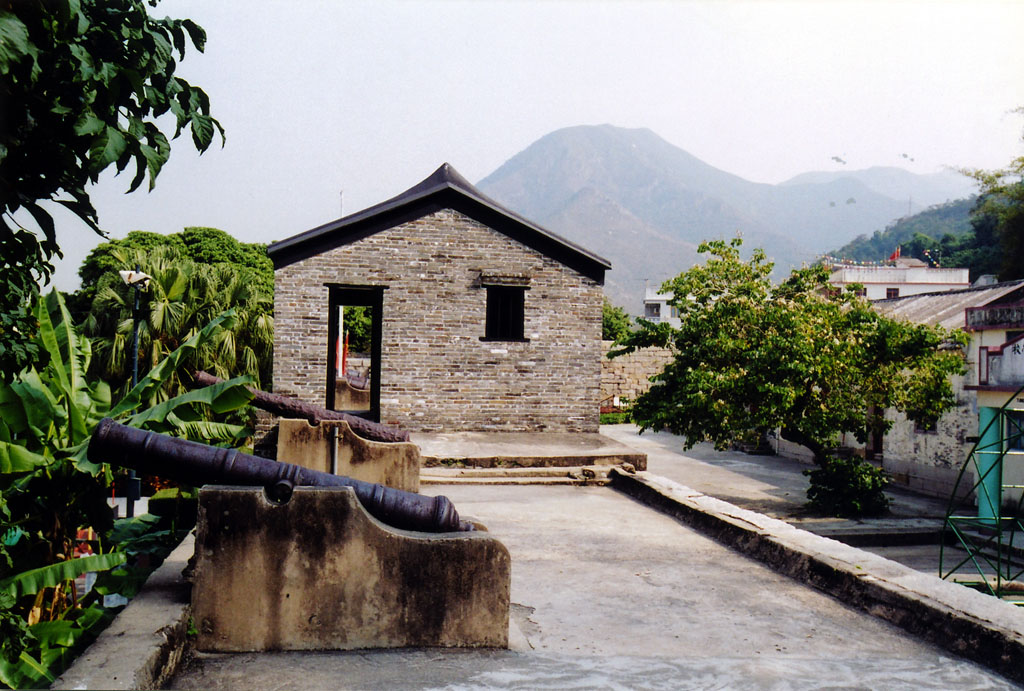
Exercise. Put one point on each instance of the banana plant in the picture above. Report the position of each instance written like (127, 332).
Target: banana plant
(49, 489)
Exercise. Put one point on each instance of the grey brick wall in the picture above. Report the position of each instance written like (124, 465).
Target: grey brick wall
(437, 375)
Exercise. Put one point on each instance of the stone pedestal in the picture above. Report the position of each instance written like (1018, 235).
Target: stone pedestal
(392, 464)
(320, 573)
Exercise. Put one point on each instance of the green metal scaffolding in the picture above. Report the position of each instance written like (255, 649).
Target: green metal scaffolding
(982, 544)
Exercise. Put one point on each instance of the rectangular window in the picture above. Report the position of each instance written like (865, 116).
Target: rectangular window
(652, 310)
(1015, 430)
(983, 365)
(505, 313)
(892, 293)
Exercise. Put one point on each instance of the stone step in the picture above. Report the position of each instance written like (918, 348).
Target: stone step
(512, 481)
(579, 475)
(539, 471)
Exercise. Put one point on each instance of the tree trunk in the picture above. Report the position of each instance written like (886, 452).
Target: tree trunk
(817, 449)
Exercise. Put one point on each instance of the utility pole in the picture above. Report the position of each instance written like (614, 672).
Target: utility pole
(138, 282)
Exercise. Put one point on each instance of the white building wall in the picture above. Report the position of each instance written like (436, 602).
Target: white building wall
(908, 280)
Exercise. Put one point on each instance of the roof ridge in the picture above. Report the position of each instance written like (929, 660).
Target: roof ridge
(446, 177)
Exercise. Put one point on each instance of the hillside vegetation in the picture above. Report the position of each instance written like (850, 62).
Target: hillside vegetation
(946, 235)
(952, 218)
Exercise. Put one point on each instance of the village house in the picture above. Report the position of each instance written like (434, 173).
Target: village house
(929, 460)
(900, 277)
(657, 309)
(481, 319)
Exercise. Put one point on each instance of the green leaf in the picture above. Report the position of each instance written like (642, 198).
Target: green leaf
(154, 162)
(48, 335)
(44, 220)
(177, 37)
(14, 41)
(88, 125)
(202, 131)
(53, 633)
(106, 149)
(196, 33)
(34, 580)
(222, 397)
(26, 673)
(17, 459)
(12, 412)
(210, 432)
(42, 411)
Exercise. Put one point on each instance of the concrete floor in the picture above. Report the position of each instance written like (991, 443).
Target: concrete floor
(610, 594)
(776, 486)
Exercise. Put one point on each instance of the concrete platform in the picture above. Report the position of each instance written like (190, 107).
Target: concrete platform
(524, 449)
(612, 595)
(609, 593)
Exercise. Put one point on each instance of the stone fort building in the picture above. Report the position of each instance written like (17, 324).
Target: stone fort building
(481, 319)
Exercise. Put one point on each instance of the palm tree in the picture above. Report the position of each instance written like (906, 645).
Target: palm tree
(183, 296)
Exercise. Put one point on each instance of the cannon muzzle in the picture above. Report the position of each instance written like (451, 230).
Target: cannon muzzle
(196, 464)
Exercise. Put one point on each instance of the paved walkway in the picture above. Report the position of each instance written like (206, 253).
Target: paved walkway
(610, 594)
(777, 487)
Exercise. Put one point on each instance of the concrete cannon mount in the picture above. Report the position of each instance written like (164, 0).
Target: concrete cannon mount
(320, 573)
(393, 464)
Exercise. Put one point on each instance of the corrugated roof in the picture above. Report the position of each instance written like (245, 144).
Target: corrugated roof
(445, 188)
(944, 308)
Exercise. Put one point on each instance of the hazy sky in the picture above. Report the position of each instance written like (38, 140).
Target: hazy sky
(370, 97)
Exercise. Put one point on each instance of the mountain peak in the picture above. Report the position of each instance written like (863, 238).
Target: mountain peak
(644, 203)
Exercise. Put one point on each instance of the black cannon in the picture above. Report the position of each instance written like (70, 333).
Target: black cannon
(197, 464)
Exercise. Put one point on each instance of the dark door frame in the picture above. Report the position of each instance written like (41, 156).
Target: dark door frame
(341, 294)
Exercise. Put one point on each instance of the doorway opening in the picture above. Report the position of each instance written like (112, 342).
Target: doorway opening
(354, 327)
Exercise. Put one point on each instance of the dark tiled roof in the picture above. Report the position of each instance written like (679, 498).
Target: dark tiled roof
(945, 308)
(444, 189)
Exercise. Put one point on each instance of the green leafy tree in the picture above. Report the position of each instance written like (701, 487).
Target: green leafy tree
(751, 356)
(200, 245)
(359, 327)
(615, 323)
(1002, 197)
(82, 83)
(181, 298)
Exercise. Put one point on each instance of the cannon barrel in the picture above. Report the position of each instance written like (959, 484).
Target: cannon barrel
(197, 464)
(283, 406)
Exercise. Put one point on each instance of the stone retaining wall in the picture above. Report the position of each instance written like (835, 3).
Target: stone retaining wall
(628, 376)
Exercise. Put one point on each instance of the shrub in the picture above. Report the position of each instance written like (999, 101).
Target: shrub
(848, 488)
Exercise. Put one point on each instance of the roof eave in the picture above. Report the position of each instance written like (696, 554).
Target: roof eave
(412, 205)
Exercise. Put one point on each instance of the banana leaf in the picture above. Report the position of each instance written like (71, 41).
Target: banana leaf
(34, 580)
(156, 377)
(17, 459)
(221, 397)
(26, 673)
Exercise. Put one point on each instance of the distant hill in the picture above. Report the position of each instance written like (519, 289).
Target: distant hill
(951, 218)
(645, 204)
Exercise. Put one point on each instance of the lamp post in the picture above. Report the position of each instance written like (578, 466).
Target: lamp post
(138, 281)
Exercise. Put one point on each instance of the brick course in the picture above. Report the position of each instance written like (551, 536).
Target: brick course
(436, 374)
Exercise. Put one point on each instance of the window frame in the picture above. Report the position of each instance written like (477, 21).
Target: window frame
(505, 313)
